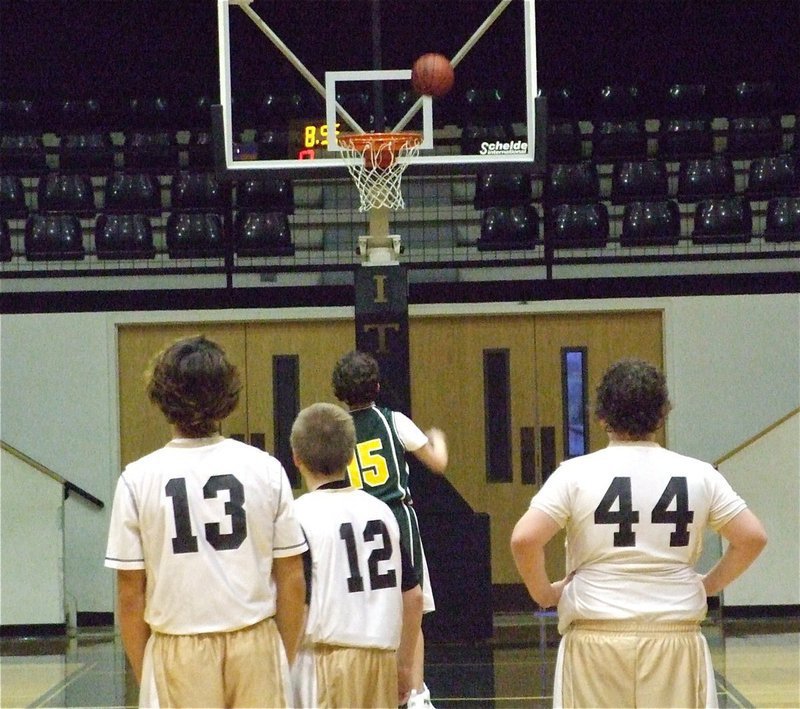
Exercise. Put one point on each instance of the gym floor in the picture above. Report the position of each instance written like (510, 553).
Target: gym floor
(757, 664)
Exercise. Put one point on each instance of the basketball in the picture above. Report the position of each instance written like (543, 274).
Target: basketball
(432, 75)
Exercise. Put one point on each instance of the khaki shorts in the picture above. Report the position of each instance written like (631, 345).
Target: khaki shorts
(623, 664)
(243, 668)
(335, 677)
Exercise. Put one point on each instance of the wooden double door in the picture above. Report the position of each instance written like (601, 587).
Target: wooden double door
(448, 356)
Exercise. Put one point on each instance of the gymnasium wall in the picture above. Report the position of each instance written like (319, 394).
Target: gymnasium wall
(733, 365)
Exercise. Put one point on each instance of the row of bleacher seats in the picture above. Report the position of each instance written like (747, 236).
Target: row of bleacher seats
(618, 123)
(586, 225)
(158, 150)
(266, 106)
(60, 237)
(123, 191)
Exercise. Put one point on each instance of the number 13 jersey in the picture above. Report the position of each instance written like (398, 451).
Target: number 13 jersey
(204, 518)
(635, 514)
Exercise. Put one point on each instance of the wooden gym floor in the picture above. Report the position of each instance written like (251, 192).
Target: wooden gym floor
(757, 663)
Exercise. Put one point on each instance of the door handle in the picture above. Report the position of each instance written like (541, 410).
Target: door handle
(258, 440)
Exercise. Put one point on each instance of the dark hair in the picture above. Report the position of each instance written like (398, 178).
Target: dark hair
(324, 438)
(632, 398)
(356, 378)
(194, 385)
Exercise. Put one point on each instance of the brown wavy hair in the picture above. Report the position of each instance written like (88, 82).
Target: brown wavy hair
(194, 385)
(356, 378)
(632, 398)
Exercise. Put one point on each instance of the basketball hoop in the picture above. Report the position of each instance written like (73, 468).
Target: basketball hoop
(376, 162)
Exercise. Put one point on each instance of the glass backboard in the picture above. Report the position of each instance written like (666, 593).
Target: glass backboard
(296, 73)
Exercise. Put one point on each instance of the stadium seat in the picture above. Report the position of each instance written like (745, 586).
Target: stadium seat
(783, 219)
(150, 113)
(66, 192)
(132, 192)
(197, 191)
(633, 180)
(20, 115)
(263, 234)
(200, 151)
(91, 152)
(150, 150)
(773, 176)
(701, 178)
(484, 105)
(22, 154)
(124, 236)
(619, 130)
(474, 135)
(502, 189)
(685, 126)
(509, 227)
(578, 225)
(195, 235)
(651, 223)
(682, 138)
(267, 195)
(724, 220)
(686, 100)
(273, 144)
(752, 136)
(615, 140)
(82, 114)
(571, 183)
(6, 253)
(564, 141)
(754, 123)
(53, 237)
(12, 197)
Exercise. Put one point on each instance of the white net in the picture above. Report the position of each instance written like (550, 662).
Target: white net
(376, 164)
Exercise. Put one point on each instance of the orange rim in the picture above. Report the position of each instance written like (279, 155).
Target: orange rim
(375, 141)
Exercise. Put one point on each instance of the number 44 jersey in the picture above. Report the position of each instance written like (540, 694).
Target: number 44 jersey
(204, 518)
(635, 514)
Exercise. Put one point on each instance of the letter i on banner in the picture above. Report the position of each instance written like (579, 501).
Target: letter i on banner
(382, 329)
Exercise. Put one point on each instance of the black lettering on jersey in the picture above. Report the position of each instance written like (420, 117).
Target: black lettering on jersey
(625, 516)
(375, 528)
(681, 516)
(184, 541)
(377, 580)
(233, 507)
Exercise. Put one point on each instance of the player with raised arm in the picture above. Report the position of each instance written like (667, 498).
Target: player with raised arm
(383, 437)
(365, 607)
(207, 549)
(635, 513)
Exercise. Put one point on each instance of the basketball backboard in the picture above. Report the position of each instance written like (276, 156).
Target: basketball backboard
(296, 73)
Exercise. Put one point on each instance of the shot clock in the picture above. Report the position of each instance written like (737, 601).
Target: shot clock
(308, 138)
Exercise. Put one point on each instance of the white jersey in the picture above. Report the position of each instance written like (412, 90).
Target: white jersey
(204, 518)
(635, 514)
(357, 576)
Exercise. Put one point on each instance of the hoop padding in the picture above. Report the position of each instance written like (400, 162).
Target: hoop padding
(376, 162)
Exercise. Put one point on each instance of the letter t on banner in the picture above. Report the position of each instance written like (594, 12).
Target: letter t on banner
(382, 329)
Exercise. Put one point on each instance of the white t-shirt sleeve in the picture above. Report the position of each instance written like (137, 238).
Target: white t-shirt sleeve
(124, 549)
(411, 436)
(289, 539)
(725, 502)
(553, 497)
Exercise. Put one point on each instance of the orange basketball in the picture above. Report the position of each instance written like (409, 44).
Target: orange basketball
(432, 75)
